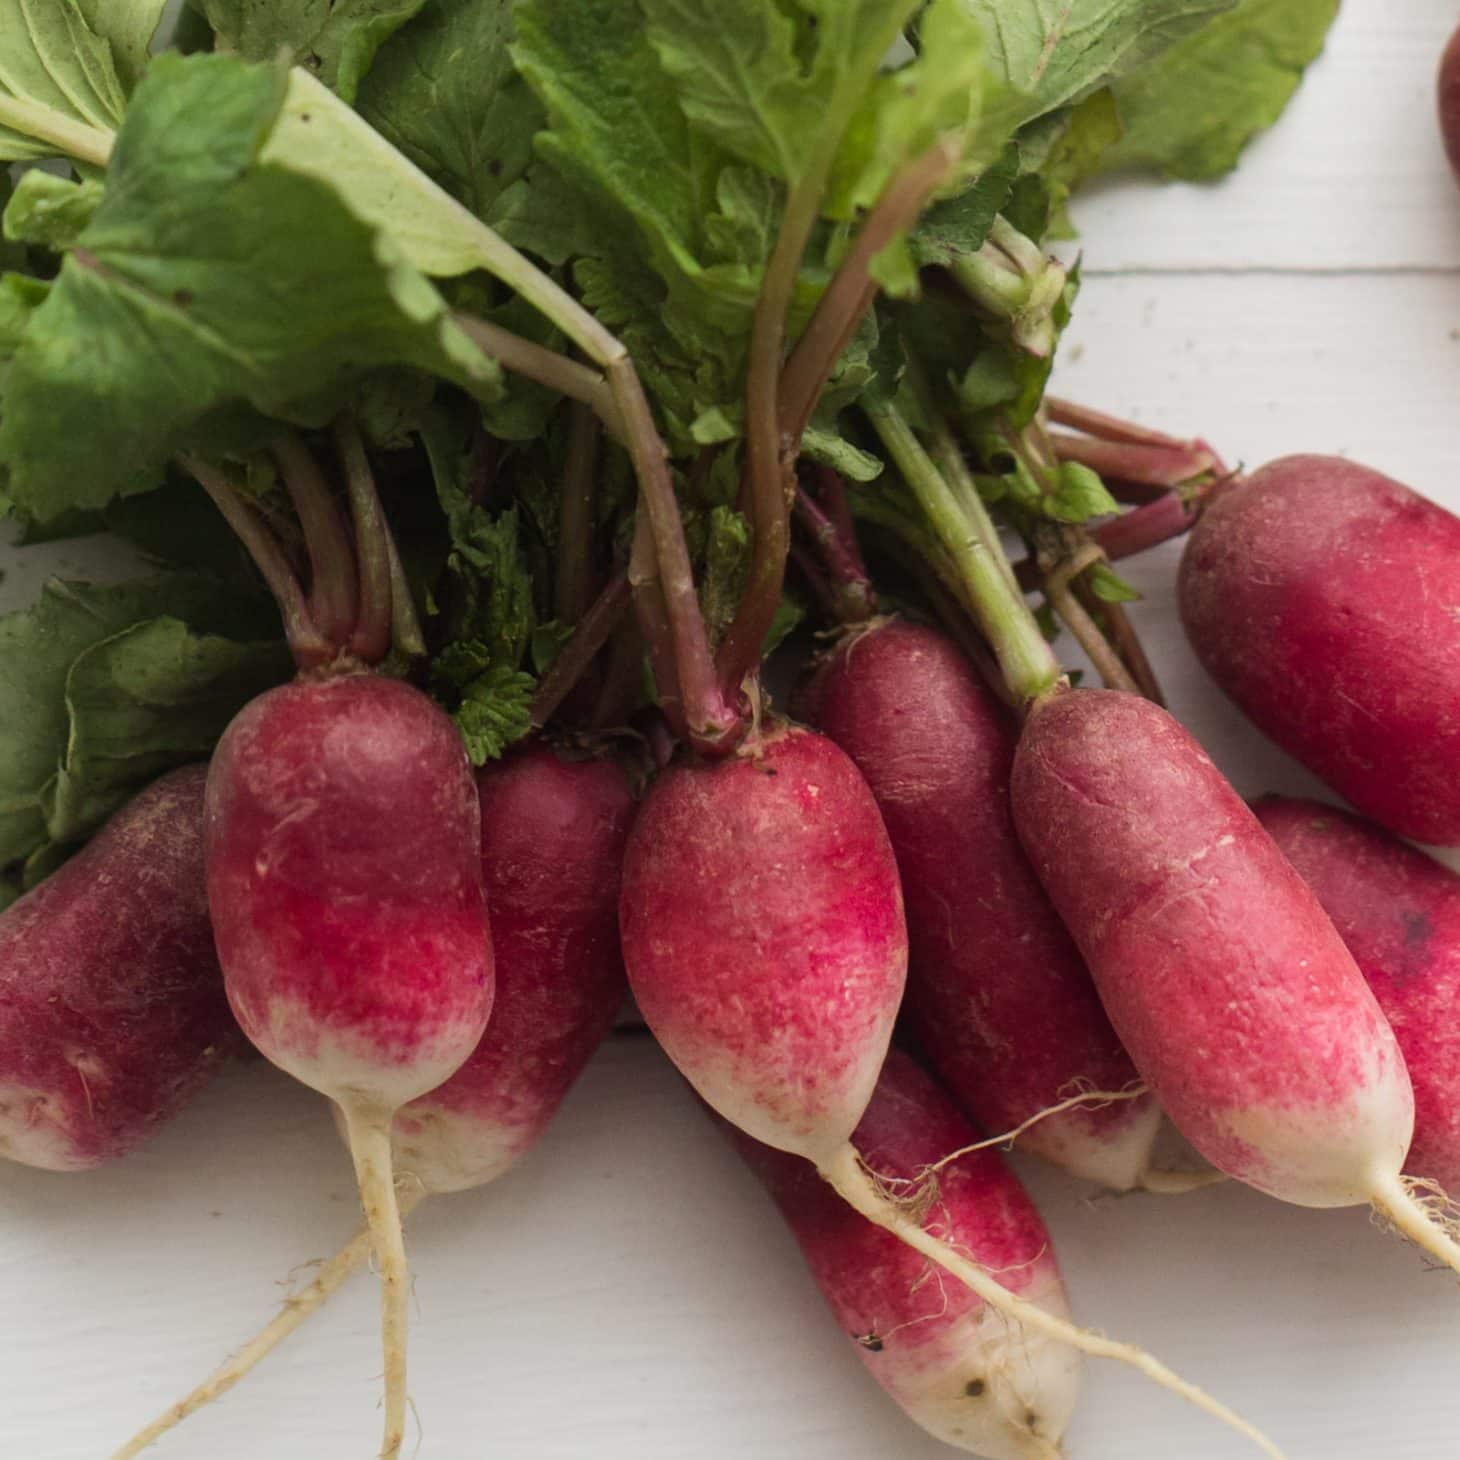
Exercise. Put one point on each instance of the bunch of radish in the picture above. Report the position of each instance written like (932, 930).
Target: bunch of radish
(952, 903)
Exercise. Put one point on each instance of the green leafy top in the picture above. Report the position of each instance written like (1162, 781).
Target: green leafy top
(335, 39)
(1190, 113)
(205, 281)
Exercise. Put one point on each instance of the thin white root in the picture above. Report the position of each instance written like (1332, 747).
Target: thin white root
(297, 1309)
(368, 1130)
(850, 1179)
(1088, 1099)
(1423, 1219)
(1178, 1183)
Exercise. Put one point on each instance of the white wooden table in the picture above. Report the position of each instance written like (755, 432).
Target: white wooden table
(629, 1292)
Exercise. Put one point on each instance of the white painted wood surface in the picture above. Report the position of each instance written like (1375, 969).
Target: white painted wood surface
(629, 1292)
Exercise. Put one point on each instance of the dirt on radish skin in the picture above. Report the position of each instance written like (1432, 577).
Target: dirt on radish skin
(1398, 911)
(763, 934)
(345, 886)
(961, 1371)
(112, 1010)
(1222, 975)
(1322, 597)
(997, 994)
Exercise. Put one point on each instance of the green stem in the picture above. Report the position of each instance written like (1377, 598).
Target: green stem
(46, 124)
(1025, 659)
(948, 454)
(332, 591)
(370, 640)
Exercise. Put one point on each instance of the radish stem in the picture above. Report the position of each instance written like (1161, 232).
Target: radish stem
(1026, 662)
(654, 621)
(371, 638)
(574, 587)
(547, 367)
(367, 1129)
(1145, 527)
(852, 289)
(1059, 568)
(849, 1177)
(849, 591)
(1148, 466)
(332, 593)
(308, 645)
(579, 652)
(45, 124)
(405, 623)
(770, 447)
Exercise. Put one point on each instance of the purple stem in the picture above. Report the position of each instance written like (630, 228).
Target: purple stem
(310, 647)
(332, 593)
(581, 650)
(370, 640)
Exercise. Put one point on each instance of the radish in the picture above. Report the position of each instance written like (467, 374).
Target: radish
(1447, 96)
(963, 1372)
(1322, 598)
(343, 852)
(997, 994)
(1398, 912)
(344, 879)
(553, 833)
(1223, 977)
(112, 1012)
(761, 915)
(764, 940)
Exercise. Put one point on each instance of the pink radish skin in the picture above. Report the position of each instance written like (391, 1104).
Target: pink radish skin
(956, 1367)
(1447, 96)
(552, 848)
(345, 885)
(764, 938)
(112, 1011)
(1223, 977)
(997, 994)
(1324, 598)
(553, 836)
(1398, 911)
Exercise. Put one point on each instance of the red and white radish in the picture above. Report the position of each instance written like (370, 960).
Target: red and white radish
(345, 883)
(997, 994)
(1324, 598)
(764, 940)
(961, 1370)
(1222, 975)
(552, 843)
(1398, 912)
(112, 1011)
